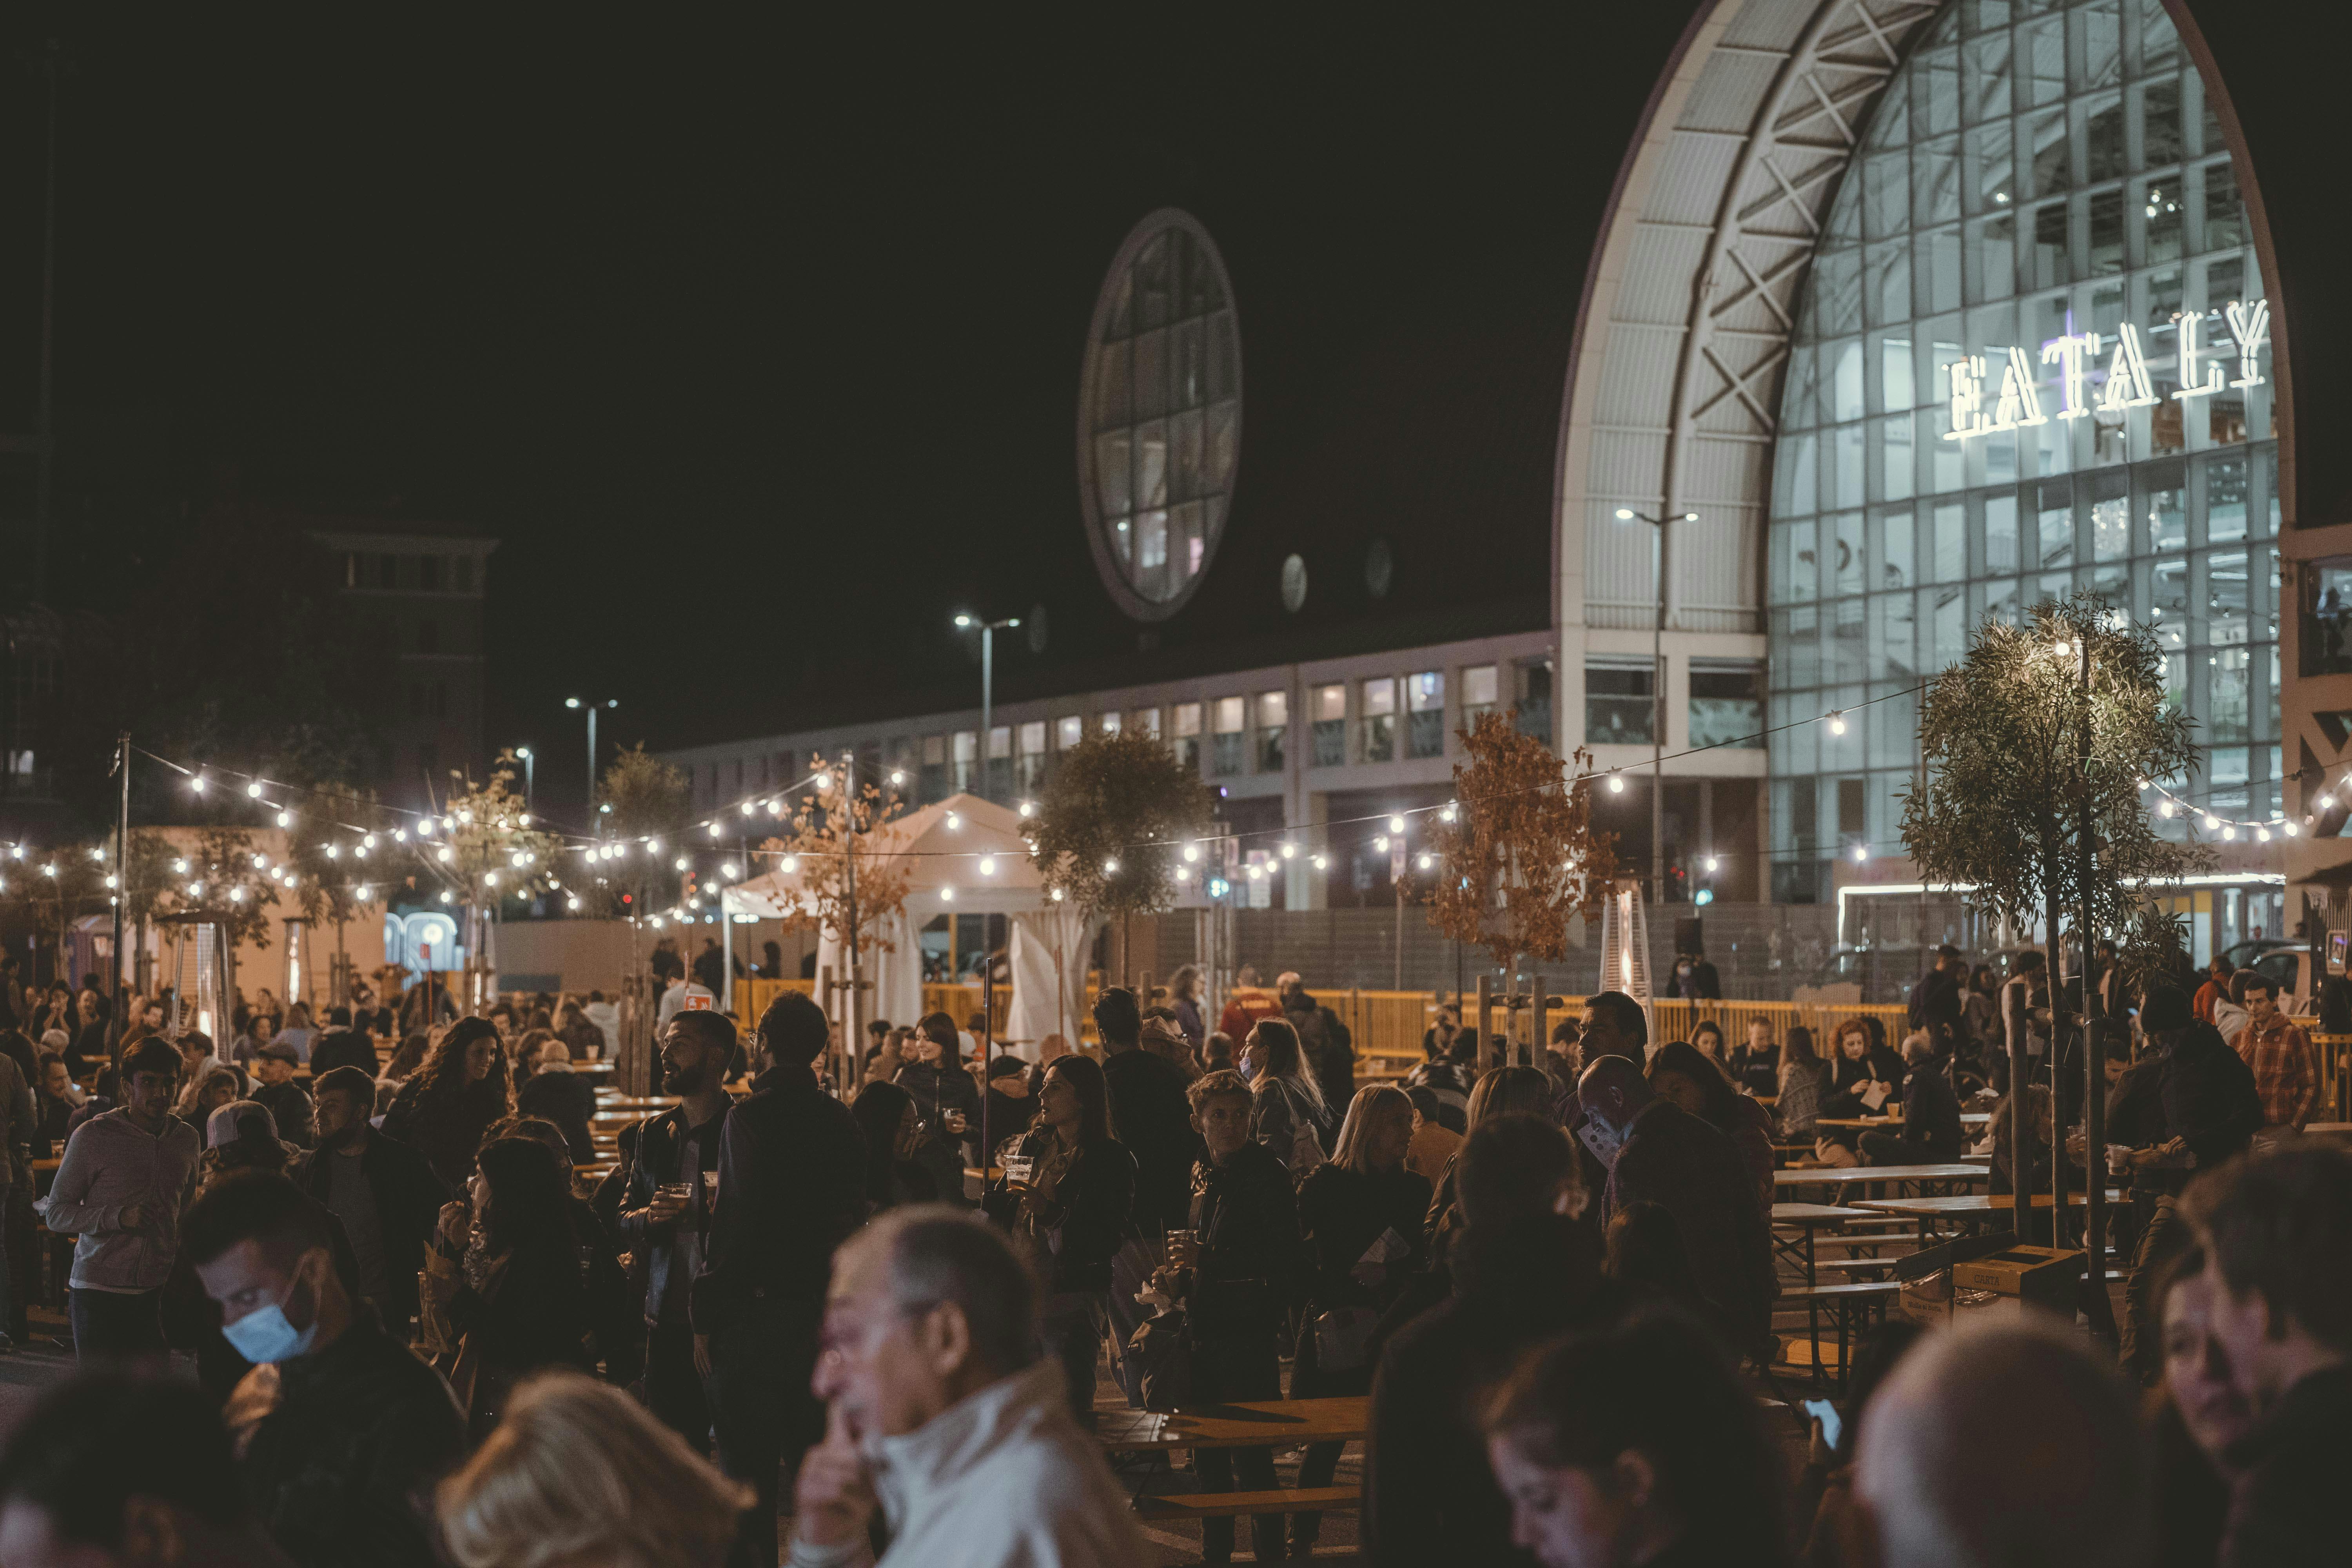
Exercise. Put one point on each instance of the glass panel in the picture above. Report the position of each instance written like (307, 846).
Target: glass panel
(1887, 282)
(2225, 213)
(1151, 374)
(1886, 194)
(1727, 707)
(1189, 390)
(1988, 76)
(1188, 718)
(1620, 704)
(2053, 157)
(2106, 253)
(1114, 488)
(1479, 686)
(2160, 208)
(1151, 283)
(1936, 183)
(2225, 497)
(2160, 123)
(2000, 534)
(2047, 266)
(1184, 432)
(1113, 404)
(1151, 464)
(2102, 155)
(1951, 560)
(2042, 68)
(1231, 713)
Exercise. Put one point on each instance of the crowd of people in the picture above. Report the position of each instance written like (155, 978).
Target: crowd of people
(879, 1311)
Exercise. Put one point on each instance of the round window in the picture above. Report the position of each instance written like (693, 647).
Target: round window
(1160, 415)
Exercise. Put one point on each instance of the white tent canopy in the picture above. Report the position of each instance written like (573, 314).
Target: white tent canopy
(966, 855)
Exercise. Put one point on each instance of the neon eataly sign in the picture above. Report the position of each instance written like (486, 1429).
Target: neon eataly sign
(1980, 406)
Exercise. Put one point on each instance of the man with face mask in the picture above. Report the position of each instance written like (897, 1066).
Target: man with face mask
(384, 1192)
(342, 1425)
(1657, 1152)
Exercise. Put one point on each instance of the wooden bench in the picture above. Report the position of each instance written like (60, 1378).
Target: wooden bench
(1853, 1303)
(1229, 1505)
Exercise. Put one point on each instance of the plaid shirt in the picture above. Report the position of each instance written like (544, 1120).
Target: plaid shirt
(2280, 1056)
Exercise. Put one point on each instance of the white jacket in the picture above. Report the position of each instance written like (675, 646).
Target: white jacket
(1004, 1479)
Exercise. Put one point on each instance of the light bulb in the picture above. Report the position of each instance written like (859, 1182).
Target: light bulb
(363, 892)
(791, 863)
(714, 830)
(2289, 828)
(467, 816)
(1860, 854)
(181, 867)
(1381, 843)
(1192, 852)
(447, 897)
(572, 903)
(2263, 835)
(2212, 822)
(253, 789)
(110, 880)
(1110, 867)
(954, 821)
(2065, 649)
(2228, 833)
(897, 775)
(653, 846)
(195, 889)
(236, 895)
(449, 823)
(1321, 864)
(1616, 784)
(1057, 895)
(729, 869)
(1710, 862)
(2326, 802)
(1837, 723)
(333, 853)
(424, 828)
(446, 855)
(1446, 813)
(284, 819)
(776, 807)
(1289, 850)
(489, 878)
(1028, 809)
(681, 863)
(197, 784)
(1396, 825)
(987, 865)
(1423, 862)
(747, 807)
(2165, 810)
(946, 895)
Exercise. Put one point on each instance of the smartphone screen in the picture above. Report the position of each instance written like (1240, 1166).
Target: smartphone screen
(1826, 1413)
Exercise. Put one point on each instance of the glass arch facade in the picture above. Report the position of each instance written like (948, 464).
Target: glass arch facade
(1160, 415)
(2032, 256)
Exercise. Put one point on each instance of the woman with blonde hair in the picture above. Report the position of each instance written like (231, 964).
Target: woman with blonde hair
(1361, 1214)
(578, 1473)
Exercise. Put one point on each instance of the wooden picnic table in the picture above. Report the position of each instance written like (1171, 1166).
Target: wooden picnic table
(1248, 1424)
(1864, 1175)
(1969, 1209)
(1889, 1123)
(1807, 1219)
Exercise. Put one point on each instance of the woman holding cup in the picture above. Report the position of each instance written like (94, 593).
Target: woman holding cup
(1069, 1189)
(949, 1100)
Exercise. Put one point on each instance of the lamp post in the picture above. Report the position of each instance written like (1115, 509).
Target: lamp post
(1658, 702)
(988, 630)
(530, 768)
(591, 705)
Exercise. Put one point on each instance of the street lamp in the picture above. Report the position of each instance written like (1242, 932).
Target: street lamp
(1657, 701)
(530, 788)
(988, 630)
(591, 705)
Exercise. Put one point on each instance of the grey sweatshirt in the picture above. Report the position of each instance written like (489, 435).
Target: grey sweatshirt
(110, 1164)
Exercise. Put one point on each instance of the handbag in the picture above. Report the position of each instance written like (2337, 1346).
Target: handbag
(1343, 1338)
(1162, 1347)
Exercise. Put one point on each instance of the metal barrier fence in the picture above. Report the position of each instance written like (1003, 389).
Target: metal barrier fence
(752, 994)
(2335, 1076)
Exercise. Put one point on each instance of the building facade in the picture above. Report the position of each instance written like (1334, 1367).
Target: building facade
(1902, 315)
(418, 589)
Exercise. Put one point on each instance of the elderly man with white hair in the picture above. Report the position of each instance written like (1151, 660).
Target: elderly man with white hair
(2006, 1445)
(942, 1411)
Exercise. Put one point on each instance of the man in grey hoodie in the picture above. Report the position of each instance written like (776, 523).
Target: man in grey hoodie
(124, 1178)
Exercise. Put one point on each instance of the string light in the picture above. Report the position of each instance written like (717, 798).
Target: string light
(197, 784)
(284, 819)
(987, 865)
(1616, 783)
(252, 790)
(1837, 723)
(1110, 867)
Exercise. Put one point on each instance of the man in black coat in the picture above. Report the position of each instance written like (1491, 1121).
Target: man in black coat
(382, 1190)
(1931, 1130)
(1154, 1120)
(343, 1046)
(348, 1428)
(792, 1187)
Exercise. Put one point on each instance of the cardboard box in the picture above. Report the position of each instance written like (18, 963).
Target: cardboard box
(2037, 1275)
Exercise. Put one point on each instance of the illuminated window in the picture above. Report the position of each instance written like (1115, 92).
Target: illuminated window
(1160, 406)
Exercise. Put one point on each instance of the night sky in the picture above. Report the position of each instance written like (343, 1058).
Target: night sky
(757, 342)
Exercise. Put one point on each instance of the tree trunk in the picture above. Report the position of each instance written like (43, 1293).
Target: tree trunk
(2057, 1081)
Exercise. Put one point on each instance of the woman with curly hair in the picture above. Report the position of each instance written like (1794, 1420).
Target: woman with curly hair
(449, 1102)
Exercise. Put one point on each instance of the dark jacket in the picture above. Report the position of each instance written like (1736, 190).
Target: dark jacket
(1343, 1212)
(1429, 1494)
(792, 1186)
(1153, 1119)
(939, 1088)
(339, 1471)
(1673, 1158)
(1252, 1264)
(1330, 1053)
(343, 1048)
(289, 1107)
(408, 1199)
(2286, 1511)
(1091, 1214)
(447, 1129)
(535, 1313)
(1931, 1117)
(567, 1098)
(2210, 1096)
(656, 1160)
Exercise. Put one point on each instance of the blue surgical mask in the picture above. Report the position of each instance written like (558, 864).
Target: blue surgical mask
(1248, 1069)
(265, 1334)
